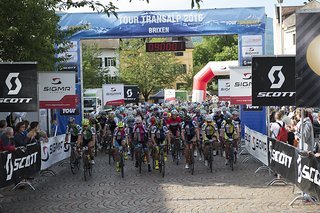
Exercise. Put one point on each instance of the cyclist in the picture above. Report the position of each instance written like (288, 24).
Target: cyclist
(198, 118)
(87, 138)
(129, 121)
(158, 136)
(119, 140)
(190, 135)
(73, 130)
(209, 132)
(174, 125)
(229, 131)
(140, 135)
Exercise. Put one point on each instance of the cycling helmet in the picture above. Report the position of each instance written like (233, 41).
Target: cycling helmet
(85, 122)
(120, 124)
(117, 112)
(71, 119)
(153, 120)
(138, 120)
(165, 114)
(235, 112)
(209, 118)
(188, 117)
(174, 112)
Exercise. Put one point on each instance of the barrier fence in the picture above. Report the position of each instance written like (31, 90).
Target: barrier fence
(301, 169)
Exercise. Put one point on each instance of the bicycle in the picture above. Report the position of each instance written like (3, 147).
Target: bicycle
(139, 155)
(209, 156)
(232, 154)
(121, 163)
(74, 158)
(176, 150)
(162, 164)
(87, 166)
(191, 151)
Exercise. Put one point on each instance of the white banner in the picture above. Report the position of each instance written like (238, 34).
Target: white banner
(251, 40)
(224, 89)
(257, 145)
(169, 94)
(54, 151)
(57, 90)
(113, 94)
(240, 85)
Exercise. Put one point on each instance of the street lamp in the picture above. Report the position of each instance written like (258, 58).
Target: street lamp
(280, 19)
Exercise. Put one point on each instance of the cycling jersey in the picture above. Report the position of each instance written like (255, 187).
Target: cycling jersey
(141, 133)
(87, 135)
(73, 130)
(174, 124)
(209, 131)
(190, 129)
(159, 132)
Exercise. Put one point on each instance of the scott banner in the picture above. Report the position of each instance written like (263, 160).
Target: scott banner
(57, 90)
(113, 94)
(224, 89)
(302, 170)
(18, 87)
(273, 81)
(20, 163)
(257, 145)
(54, 151)
(307, 59)
(240, 85)
(131, 94)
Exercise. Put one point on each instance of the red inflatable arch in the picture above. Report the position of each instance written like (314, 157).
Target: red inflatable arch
(201, 79)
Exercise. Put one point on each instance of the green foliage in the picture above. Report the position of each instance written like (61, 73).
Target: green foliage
(150, 71)
(29, 29)
(93, 75)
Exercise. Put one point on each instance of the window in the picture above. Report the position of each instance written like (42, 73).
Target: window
(110, 62)
(178, 53)
(99, 62)
(294, 39)
(183, 69)
(180, 86)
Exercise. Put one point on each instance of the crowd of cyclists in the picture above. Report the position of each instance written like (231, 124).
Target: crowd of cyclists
(180, 130)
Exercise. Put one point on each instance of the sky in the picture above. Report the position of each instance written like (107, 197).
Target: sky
(140, 5)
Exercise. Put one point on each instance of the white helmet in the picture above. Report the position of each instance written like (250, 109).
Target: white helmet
(138, 120)
(209, 118)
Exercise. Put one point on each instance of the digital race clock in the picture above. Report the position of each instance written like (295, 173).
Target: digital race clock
(165, 46)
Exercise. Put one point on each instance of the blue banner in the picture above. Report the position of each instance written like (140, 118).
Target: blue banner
(167, 23)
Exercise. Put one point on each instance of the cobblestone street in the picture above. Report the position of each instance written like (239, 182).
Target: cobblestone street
(221, 191)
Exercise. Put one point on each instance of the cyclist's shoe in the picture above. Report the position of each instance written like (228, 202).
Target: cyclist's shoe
(206, 163)
(92, 162)
(157, 165)
(187, 166)
(125, 156)
(200, 158)
(137, 164)
(118, 167)
(214, 152)
(165, 158)
(195, 153)
(129, 153)
(149, 168)
(227, 162)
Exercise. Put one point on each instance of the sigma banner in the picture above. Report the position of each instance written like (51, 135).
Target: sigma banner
(57, 90)
(240, 85)
(18, 87)
(54, 151)
(257, 145)
(131, 94)
(302, 170)
(273, 81)
(307, 59)
(113, 94)
(20, 163)
(169, 95)
(224, 89)
(167, 23)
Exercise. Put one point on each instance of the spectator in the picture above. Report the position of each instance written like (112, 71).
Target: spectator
(33, 131)
(27, 123)
(20, 137)
(275, 126)
(6, 142)
(291, 112)
(272, 114)
(43, 136)
(3, 125)
(306, 134)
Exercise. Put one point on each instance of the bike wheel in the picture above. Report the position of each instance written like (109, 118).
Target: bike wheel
(122, 166)
(73, 162)
(140, 156)
(163, 167)
(192, 160)
(173, 152)
(178, 152)
(85, 168)
(210, 159)
(235, 157)
(110, 153)
(231, 155)
(90, 169)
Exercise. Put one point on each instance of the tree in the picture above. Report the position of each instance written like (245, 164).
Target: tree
(29, 29)
(150, 71)
(93, 74)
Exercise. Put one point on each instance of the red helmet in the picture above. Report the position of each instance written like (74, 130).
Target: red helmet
(153, 120)
(165, 114)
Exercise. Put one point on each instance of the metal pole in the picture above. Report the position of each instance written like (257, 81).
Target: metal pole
(280, 19)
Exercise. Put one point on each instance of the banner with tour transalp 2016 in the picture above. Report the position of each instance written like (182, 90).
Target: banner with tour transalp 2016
(54, 151)
(113, 94)
(257, 145)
